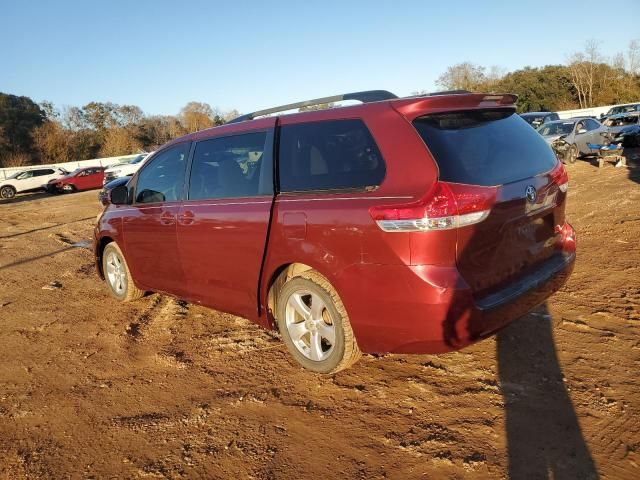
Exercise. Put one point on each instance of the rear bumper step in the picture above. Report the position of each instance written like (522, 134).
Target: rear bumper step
(532, 281)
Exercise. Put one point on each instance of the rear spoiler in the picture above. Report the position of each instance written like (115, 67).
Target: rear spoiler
(412, 108)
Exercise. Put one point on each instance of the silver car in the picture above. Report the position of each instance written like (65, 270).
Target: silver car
(577, 132)
(616, 123)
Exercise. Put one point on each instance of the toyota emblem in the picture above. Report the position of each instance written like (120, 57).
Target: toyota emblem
(531, 194)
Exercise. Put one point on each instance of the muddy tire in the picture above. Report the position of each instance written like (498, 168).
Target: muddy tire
(7, 192)
(314, 324)
(117, 274)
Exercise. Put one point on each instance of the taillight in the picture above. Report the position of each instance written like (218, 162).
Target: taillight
(566, 238)
(446, 206)
(560, 177)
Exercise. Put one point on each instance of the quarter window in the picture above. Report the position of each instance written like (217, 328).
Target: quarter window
(229, 167)
(329, 155)
(162, 179)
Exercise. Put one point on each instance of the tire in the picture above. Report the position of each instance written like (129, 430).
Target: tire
(573, 153)
(117, 274)
(7, 192)
(68, 188)
(311, 342)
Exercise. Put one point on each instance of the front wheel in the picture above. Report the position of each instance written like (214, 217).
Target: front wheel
(68, 188)
(314, 324)
(117, 274)
(7, 192)
(573, 154)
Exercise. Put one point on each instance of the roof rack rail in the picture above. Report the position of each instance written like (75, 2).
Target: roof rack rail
(366, 96)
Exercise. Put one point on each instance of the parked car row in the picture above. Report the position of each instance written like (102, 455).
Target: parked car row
(577, 136)
(30, 181)
(59, 180)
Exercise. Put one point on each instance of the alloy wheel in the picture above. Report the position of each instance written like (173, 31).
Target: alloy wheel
(310, 325)
(7, 192)
(116, 273)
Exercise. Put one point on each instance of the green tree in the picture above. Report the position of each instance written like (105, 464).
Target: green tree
(540, 89)
(18, 117)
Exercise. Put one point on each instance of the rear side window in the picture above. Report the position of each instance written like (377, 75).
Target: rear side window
(329, 155)
(229, 167)
(162, 179)
(591, 124)
(484, 147)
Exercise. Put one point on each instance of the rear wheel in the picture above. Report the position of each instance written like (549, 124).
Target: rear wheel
(117, 274)
(572, 156)
(7, 192)
(314, 324)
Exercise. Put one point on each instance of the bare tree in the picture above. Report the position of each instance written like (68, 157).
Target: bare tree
(633, 58)
(197, 116)
(52, 142)
(463, 76)
(583, 67)
(119, 141)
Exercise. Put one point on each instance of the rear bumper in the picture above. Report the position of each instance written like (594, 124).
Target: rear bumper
(431, 309)
(496, 310)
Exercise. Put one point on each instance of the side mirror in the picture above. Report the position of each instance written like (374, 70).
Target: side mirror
(119, 195)
(582, 130)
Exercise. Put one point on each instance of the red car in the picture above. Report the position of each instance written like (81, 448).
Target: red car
(413, 225)
(86, 178)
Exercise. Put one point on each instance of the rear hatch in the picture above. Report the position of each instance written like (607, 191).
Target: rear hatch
(496, 148)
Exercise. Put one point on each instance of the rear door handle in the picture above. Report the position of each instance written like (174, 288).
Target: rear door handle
(167, 218)
(186, 217)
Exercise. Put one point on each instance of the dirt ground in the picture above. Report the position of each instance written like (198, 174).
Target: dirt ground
(158, 388)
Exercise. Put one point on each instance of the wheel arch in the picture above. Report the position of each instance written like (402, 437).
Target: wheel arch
(102, 244)
(277, 279)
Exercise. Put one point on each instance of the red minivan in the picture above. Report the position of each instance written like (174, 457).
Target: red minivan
(412, 225)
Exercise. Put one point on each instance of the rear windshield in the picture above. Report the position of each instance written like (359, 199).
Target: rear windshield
(484, 147)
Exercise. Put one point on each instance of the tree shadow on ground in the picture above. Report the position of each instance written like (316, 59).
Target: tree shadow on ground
(543, 434)
(24, 197)
(633, 163)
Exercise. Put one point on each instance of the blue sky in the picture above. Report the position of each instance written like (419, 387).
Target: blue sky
(249, 55)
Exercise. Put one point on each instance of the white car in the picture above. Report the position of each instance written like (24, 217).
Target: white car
(125, 168)
(29, 180)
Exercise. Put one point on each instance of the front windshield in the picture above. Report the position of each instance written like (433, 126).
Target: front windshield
(621, 121)
(75, 172)
(563, 128)
(14, 175)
